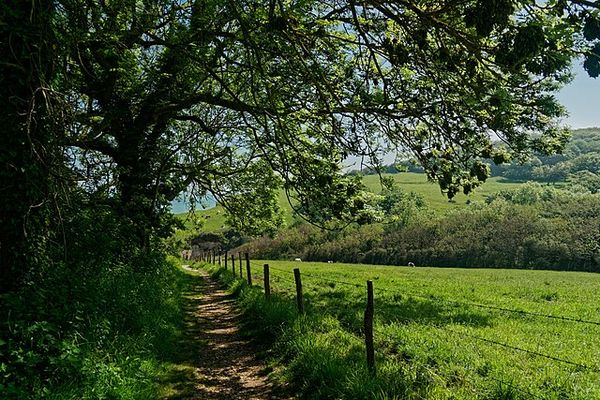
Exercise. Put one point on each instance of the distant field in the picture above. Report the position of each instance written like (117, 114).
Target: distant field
(214, 217)
(414, 182)
(431, 338)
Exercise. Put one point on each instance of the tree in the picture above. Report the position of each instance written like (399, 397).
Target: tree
(280, 79)
(158, 96)
(28, 153)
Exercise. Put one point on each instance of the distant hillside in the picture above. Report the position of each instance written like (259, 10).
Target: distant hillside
(578, 166)
(214, 218)
(434, 198)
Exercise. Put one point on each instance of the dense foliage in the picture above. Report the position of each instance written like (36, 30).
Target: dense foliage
(96, 320)
(535, 226)
(110, 109)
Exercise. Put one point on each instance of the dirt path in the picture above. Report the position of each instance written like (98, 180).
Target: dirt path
(220, 363)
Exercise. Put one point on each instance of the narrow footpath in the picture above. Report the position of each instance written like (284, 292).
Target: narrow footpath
(220, 363)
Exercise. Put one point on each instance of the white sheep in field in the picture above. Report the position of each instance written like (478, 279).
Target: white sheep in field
(297, 259)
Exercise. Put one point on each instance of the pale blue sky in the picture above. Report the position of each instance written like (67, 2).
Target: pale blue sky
(580, 97)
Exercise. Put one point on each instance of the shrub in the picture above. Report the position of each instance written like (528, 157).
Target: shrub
(531, 227)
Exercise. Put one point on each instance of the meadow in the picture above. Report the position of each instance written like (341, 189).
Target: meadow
(434, 198)
(439, 333)
(213, 219)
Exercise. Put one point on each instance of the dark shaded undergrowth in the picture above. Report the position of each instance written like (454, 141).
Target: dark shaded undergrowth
(104, 331)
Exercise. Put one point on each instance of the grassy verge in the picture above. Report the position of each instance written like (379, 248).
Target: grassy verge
(106, 334)
(427, 348)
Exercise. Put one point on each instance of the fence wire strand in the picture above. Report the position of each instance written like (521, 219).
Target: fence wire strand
(463, 334)
(457, 302)
(504, 309)
(516, 348)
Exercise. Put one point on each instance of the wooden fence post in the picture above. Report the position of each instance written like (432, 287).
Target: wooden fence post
(248, 272)
(233, 264)
(240, 258)
(219, 259)
(299, 297)
(267, 281)
(225, 260)
(369, 311)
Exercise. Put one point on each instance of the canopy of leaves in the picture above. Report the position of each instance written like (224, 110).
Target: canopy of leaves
(138, 101)
(164, 95)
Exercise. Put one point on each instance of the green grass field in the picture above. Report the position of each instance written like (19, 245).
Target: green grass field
(431, 341)
(418, 183)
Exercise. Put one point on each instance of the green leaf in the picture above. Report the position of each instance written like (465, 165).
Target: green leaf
(591, 28)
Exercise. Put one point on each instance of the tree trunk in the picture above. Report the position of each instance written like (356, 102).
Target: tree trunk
(26, 142)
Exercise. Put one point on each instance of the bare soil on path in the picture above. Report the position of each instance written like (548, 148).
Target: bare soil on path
(217, 362)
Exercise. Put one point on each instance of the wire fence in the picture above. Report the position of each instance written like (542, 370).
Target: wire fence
(486, 340)
(327, 281)
(508, 310)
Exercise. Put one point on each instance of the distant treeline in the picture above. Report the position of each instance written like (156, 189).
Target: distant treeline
(535, 227)
(400, 166)
(578, 166)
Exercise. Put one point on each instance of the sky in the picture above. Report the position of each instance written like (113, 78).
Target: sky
(580, 97)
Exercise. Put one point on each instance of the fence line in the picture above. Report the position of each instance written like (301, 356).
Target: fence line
(450, 301)
(490, 341)
(504, 309)
(324, 280)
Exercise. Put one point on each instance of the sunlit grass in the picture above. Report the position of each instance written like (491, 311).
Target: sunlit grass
(428, 339)
(213, 219)
(434, 198)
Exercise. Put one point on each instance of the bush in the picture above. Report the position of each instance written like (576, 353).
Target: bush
(535, 226)
(93, 323)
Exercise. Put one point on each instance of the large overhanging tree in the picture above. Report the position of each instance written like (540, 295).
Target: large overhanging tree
(226, 96)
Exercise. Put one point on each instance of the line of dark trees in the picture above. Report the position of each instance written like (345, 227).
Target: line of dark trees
(534, 227)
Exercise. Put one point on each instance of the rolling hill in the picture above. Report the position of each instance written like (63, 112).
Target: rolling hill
(214, 218)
